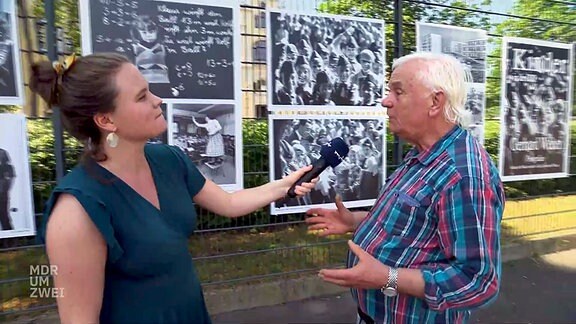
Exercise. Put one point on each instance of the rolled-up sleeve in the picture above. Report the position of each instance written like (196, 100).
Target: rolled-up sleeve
(469, 216)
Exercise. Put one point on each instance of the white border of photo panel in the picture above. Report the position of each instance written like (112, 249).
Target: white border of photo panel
(349, 204)
(317, 108)
(238, 153)
(475, 85)
(17, 68)
(22, 190)
(504, 72)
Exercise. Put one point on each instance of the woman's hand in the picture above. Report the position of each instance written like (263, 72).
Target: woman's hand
(305, 187)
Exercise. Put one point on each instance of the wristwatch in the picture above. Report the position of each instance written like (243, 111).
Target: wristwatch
(391, 287)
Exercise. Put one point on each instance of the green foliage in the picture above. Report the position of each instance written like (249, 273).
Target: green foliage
(8, 109)
(459, 15)
(552, 26)
(42, 158)
(66, 18)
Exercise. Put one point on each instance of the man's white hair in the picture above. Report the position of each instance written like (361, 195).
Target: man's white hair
(444, 72)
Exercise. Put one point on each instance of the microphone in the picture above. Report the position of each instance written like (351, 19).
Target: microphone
(331, 154)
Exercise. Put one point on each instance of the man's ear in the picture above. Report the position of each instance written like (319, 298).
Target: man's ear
(438, 103)
(104, 121)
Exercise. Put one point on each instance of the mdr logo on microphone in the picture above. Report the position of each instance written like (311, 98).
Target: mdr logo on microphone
(40, 282)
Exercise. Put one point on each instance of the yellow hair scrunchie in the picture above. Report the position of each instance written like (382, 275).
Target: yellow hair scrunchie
(61, 67)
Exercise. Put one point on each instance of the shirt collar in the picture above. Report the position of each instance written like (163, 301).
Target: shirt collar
(427, 156)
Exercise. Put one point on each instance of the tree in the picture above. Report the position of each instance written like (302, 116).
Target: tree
(541, 19)
(66, 18)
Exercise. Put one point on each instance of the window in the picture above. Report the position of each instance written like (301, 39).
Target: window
(259, 51)
(260, 20)
(260, 85)
(261, 111)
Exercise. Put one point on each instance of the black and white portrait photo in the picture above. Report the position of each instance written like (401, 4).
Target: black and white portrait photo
(469, 47)
(324, 60)
(535, 109)
(184, 50)
(296, 142)
(207, 133)
(10, 70)
(16, 205)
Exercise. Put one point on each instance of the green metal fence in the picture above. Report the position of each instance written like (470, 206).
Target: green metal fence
(260, 246)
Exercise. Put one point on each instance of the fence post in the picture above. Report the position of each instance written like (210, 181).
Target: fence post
(398, 52)
(52, 53)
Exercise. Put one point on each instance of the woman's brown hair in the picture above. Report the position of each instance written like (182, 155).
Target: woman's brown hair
(81, 91)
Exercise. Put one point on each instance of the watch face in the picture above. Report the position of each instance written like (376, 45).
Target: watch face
(390, 292)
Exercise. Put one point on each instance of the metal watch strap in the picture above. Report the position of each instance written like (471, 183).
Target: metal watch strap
(392, 278)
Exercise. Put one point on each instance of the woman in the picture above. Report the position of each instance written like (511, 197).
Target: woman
(6, 182)
(116, 227)
(215, 145)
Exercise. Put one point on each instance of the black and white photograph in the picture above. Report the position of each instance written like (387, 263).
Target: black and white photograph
(466, 44)
(16, 204)
(475, 103)
(296, 141)
(535, 109)
(321, 60)
(184, 49)
(469, 47)
(208, 134)
(10, 68)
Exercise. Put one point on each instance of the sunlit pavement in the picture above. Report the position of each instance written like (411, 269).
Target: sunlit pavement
(536, 290)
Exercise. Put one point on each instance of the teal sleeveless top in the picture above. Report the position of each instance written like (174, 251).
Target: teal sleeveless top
(150, 275)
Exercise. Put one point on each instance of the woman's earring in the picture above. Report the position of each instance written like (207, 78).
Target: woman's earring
(112, 139)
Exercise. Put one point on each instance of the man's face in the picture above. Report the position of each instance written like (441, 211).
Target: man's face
(408, 101)
(305, 130)
(325, 90)
(344, 73)
(316, 67)
(366, 64)
(303, 72)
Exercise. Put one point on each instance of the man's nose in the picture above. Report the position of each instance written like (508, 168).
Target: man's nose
(386, 102)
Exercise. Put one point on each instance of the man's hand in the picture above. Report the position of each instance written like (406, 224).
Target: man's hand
(369, 273)
(331, 221)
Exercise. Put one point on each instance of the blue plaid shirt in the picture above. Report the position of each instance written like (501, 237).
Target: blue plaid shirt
(439, 212)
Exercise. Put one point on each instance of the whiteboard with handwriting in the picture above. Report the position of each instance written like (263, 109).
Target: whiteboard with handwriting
(184, 49)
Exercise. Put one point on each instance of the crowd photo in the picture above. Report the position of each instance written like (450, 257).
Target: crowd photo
(536, 111)
(297, 143)
(326, 60)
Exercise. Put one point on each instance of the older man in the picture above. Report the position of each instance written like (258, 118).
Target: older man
(428, 251)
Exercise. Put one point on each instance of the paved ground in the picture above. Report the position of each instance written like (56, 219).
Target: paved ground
(539, 290)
